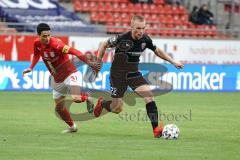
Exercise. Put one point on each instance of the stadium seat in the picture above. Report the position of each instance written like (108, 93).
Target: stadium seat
(137, 8)
(85, 6)
(158, 1)
(78, 6)
(125, 18)
(117, 17)
(146, 8)
(130, 8)
(93, 7)
(108, 7)
(119, 12)
(109, 17)
(152, 28)
(168, 9)
(123, 8)
(116, 7)
(153, 18)
(101, 7)
(94, 17)
(154, 9)
(101, 17)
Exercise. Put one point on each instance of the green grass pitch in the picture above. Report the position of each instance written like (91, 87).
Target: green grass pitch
(209, 125)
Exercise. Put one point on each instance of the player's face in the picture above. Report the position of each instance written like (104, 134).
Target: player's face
(45, 37)
(138, 28)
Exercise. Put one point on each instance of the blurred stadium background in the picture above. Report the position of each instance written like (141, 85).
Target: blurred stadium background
(211, 53)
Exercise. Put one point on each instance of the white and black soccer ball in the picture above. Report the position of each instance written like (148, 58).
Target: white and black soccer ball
(170, 131)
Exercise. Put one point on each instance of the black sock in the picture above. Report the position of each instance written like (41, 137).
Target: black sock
(106, 105)
(152, 113)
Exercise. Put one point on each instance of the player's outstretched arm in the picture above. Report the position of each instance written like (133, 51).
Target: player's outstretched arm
(102, 48)
(34, 62)
(166, 57)
(101, 51)
(89, 60)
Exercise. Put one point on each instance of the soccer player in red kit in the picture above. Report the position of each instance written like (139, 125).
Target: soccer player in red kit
(54, 54)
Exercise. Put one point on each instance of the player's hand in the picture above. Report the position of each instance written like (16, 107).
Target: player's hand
(26, 71)
(96, 66)
(178, 64)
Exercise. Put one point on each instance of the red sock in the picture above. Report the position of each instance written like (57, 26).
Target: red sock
(65, 115)
(84, 96)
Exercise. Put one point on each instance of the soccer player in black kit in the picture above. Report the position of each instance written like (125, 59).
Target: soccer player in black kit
(124, 71)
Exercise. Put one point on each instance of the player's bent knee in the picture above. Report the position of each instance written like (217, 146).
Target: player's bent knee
(148, 99)
(76, 99)
(59, 108)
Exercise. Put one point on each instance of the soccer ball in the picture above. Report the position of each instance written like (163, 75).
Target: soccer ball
(170, 131)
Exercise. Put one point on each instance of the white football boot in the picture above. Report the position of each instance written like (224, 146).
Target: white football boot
(72, 129)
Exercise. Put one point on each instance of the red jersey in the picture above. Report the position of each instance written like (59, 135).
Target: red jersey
(54, 55)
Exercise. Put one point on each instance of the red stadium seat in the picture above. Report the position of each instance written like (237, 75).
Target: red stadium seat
(165, 33)
(108, 7)
(93, 7)
(138, 8)
(110, 28)
(101, 17)
(167, 9)
(146, 8)
(94, 17)
(109, 17)
(130, 8)
(169, 19)
(179, 33)
(182, 10)
(156, 9)
(86, 6)
(118, 13)
(176, 10)
(118, 28)
(101, 7)
(153, 29)
(125, 18)
(77, 6)
(116, 7)
(117, 17)
(159, 1)
(123, 7)
(146, 16)
(153, 18)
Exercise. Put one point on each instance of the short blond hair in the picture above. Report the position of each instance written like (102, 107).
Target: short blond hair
(137, 17)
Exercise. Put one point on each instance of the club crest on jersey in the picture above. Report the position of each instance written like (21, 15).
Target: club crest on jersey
(73, 78)
(143, 45)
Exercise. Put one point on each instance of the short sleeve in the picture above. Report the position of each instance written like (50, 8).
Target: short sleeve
(113, 41)
(150, 44)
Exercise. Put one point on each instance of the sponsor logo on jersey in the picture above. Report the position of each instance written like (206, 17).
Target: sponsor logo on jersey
(143, 45)
(125, 45)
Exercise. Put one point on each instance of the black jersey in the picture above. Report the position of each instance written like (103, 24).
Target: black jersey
(128, 50)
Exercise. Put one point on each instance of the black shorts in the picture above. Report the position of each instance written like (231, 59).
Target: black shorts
(120, 80)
